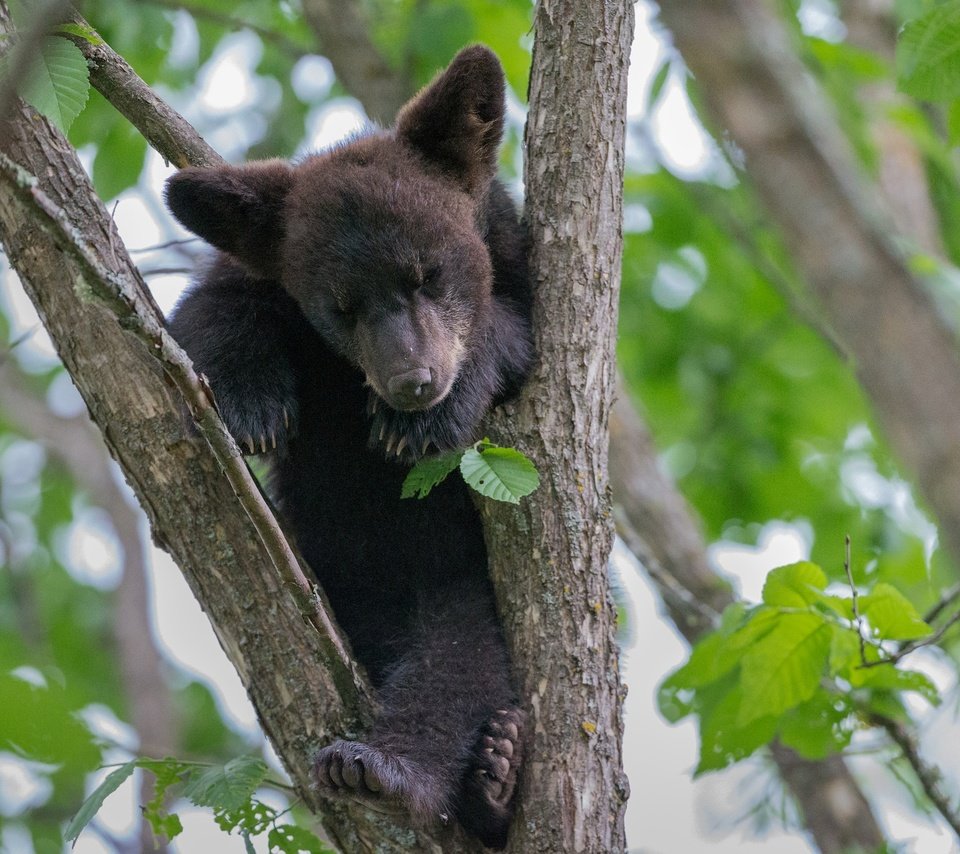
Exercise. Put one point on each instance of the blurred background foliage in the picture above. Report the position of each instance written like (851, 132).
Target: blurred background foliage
(758, 418)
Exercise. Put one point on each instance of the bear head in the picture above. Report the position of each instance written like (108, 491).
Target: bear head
(379, 240)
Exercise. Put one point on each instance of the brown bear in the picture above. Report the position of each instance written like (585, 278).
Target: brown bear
(369, 305)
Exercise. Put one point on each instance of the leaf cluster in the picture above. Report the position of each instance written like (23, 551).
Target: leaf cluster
(799, 667)
(503, 474)
(229, 790)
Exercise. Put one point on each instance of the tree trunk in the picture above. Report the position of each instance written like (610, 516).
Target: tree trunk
(556, 579)
(550, 556)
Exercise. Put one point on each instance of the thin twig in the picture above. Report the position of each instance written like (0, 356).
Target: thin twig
(930, 776)
(856, 605)
(278, 39)
(948, 598)
(913, 646)
(180, 241)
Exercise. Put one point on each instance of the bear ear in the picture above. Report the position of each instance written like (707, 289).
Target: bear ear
(238, 209)
(456, 122)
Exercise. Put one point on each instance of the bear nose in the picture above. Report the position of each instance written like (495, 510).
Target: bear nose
(410, 384)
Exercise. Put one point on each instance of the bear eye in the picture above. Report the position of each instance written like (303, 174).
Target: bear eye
(430, 278)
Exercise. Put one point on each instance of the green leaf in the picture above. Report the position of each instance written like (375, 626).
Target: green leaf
(503, 474)
(83, 31)
(167, 773)
(252, 818)
(656, 87)
(226, 787)
(794, 586)
(723, 740)
(887, 677)
(819, 727)
(91, 806)
(928, 54)
(784, 668)
(58, 83)
(291, 839)
(892, 615)
(429, 472)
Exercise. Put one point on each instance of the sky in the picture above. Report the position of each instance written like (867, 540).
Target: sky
(667, 812)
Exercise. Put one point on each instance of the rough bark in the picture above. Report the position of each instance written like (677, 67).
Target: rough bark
(657, 524)
(838, 232)
(191, 503)
(549, 556)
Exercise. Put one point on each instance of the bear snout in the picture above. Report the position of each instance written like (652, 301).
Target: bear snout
(413, 389)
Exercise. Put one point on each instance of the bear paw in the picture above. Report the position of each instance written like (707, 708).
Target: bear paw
(486, 802)
(406, 436)
(354, 768)
(260, 423)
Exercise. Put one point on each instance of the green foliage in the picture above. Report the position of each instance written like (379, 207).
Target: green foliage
(928, 54)
(57, 83)
(797, 668)
(227, 789)
(503, 474)
(428, 473)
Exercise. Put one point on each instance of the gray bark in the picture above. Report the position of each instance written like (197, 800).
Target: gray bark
(549, 556)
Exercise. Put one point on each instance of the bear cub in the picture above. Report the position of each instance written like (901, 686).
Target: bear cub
(369, 305)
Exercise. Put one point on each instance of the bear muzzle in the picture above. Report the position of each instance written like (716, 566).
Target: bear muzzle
(413, 389)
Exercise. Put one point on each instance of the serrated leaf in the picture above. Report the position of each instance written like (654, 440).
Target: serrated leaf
(167, 773)
(83, 31)
(892, 615)
(784, 668)
(844, 652)
(58, 83)
(226, 787)
(795, 585)
(928, 54)
(429, 472)
(887, 677)
(716, 654)
(291, 839)
(252, 818)
(503, 474)
(91, 806)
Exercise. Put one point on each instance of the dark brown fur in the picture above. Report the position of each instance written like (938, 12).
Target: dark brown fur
(371, 304)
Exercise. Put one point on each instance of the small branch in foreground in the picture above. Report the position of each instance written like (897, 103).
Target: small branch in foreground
(930, 776)
(166, 130)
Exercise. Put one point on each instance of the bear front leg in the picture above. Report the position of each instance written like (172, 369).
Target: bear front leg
(237, 331)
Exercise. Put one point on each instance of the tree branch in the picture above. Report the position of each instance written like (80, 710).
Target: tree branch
(930, 776)
(836, 227)
(64, 246)
(343, 33)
